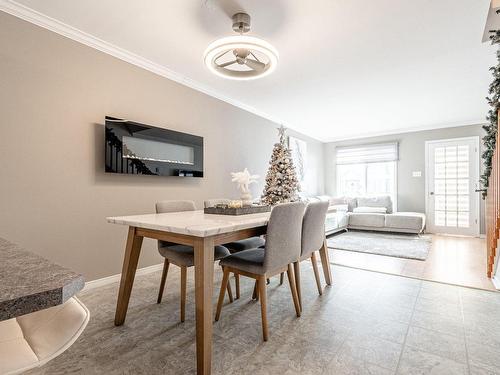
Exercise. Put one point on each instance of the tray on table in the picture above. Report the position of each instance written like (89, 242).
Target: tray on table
(237, 211)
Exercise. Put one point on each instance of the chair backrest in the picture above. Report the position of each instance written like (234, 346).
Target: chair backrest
(313, 227)
(284, 231)
(173, 206)
(213, 202)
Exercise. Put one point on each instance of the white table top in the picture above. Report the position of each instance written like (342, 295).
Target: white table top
(194, 223)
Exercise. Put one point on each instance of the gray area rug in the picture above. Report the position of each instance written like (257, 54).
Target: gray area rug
(411, 246)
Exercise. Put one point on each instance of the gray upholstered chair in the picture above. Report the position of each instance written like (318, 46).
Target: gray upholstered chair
(181, 255)
(284, 231)
(313, 238)
(236, 246)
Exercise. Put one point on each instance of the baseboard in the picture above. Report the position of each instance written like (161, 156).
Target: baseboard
(89, 285)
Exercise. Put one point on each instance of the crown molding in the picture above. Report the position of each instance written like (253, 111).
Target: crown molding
(404, 131)
(30, 15)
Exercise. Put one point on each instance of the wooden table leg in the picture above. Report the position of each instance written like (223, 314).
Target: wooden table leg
(132, 252)
(325, 263)
(204, 279)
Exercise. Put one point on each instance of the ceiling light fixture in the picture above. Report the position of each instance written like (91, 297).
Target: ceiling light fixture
(241, 57)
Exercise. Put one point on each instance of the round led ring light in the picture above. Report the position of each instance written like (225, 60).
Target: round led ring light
(252, 57)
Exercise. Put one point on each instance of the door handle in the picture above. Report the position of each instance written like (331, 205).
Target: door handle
(431, 193)
(480, 190)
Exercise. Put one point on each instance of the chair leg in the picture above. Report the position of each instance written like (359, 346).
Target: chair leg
(282, 276)
(237, 285)
(255, 294)
(291, 281)
(229, 292)
(163, 280)
(296, 271)
(222, 293)
(261, 282)
(183, 292)
(316, 273)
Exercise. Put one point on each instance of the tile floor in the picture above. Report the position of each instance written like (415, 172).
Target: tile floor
(366, 323)
(454, 260)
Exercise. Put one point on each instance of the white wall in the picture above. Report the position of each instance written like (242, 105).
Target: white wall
(54, 194)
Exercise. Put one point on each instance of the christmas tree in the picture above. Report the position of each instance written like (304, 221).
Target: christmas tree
(282, 184)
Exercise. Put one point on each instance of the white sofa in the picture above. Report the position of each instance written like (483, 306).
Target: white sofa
(370, 213)
(337, 219)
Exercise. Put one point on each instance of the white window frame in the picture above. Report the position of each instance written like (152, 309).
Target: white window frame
(395, 165)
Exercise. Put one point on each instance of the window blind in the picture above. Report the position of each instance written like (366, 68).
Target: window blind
(374, 153)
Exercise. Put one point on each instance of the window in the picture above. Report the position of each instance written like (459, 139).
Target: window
(367, 170)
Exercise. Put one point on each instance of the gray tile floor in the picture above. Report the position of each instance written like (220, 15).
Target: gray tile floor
(366, 323)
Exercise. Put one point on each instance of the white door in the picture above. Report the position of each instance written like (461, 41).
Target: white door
(452, 173)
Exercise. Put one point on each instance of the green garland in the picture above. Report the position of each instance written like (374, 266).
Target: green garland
(489, 139)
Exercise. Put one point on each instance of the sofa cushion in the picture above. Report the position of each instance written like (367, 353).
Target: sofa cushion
(366, 220)
(380, 201)
(406, 220)
(370, 210)
(311, 199)
(350, 202)
(323, 197)
(338, 207)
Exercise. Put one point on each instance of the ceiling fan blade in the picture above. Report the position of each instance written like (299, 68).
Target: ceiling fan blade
(226, 64)
(254, 64)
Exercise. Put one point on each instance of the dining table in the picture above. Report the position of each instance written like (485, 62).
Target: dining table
(202, 232)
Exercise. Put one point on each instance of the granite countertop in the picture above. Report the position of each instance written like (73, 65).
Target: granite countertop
(193, 223)
(29, 283)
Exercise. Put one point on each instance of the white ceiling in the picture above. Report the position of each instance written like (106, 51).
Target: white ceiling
(348, 68)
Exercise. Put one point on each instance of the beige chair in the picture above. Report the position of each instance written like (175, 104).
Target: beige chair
(313, 237)
(32, 340)
(283, 246)
(181, 255)
(236, 246)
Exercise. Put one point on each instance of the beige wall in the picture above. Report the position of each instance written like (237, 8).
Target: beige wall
(54, 195)
(411, 190)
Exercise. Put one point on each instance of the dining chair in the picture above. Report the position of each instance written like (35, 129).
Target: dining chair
(32, 340)
(313, 237)
(236, 246)
(284, 231)
(181, 255)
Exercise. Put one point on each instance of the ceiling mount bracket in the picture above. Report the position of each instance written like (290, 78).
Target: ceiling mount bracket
(241, 23)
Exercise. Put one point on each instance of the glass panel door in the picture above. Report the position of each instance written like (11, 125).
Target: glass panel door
(452, 172)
